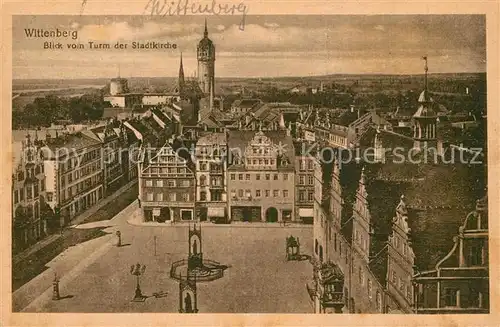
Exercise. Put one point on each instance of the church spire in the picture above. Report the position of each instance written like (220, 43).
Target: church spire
(426, 85)
(181, 76)
(205, 34)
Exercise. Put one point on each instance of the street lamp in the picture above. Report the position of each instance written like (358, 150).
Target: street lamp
(55, 288)
(138, 270)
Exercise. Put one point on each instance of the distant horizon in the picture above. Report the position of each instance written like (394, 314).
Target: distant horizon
(258, 77)
(270, 46)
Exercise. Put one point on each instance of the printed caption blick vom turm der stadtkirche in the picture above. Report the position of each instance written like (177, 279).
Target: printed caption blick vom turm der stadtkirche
(66, 35)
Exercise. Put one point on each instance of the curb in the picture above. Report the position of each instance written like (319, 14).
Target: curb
(211, 225)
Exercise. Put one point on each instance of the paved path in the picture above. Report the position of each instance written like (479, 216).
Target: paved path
(77, 220)
(68, 264)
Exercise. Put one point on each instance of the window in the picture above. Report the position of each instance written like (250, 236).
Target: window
(186, 183)
(149, 196)
(149, 182)
(275, 193)
(42, 185)
(268, 177)
(240, 193)
(450, 297)
(301, 180)
(361, 275)
(233, 177)
(159, 183)
(171, 183)
(16, 196)
(215, 196)
(172, 197)
(257, 177)
(379, 301)
(21, 194)
(316, 245)
(203, 180)
(275, 177)
(475, 255)
(267, 193)
(310, 165)
(310, 196)
(285, 193)
(302, 195)
(240, 177)
(29, 193)
(394, 277)
(401, 285)
(369, 288)
(257, 193)
(159, 197)
(310, 180)
(285, 177)
(302, 165)
(185, 197)
(335, 242)
(408, 292)
(203, 196)
(247, 177)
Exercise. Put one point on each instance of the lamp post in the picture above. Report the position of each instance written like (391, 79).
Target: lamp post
(119, 235)
(138, 270)
(55, 288)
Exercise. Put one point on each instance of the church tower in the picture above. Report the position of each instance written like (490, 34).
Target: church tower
(206, 63)
(424, 130)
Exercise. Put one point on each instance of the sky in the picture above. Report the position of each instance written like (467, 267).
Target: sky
(268, 46)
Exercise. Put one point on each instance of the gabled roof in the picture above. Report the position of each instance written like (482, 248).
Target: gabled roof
(239, 140)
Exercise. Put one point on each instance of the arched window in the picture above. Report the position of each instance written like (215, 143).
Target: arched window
(321, 253)
(316, 245)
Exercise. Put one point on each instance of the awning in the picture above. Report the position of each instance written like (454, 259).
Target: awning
(306, 212)
(216, 212)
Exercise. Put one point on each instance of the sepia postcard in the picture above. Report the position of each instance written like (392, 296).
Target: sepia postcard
(240, 163)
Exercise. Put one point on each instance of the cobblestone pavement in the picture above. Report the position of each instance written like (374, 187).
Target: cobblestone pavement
(259, 279)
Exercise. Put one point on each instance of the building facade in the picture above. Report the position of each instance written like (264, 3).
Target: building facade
(304, 181)
(74, 174)
(261, 176)
(211, 173)
(460, 281)
(376, 268)
(29, 217)
(167, 187)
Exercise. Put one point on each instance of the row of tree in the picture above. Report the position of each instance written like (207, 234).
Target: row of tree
(49, 109)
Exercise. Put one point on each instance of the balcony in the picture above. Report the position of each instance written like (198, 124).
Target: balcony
(216, 171)
(216, 186)
(332, 299)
